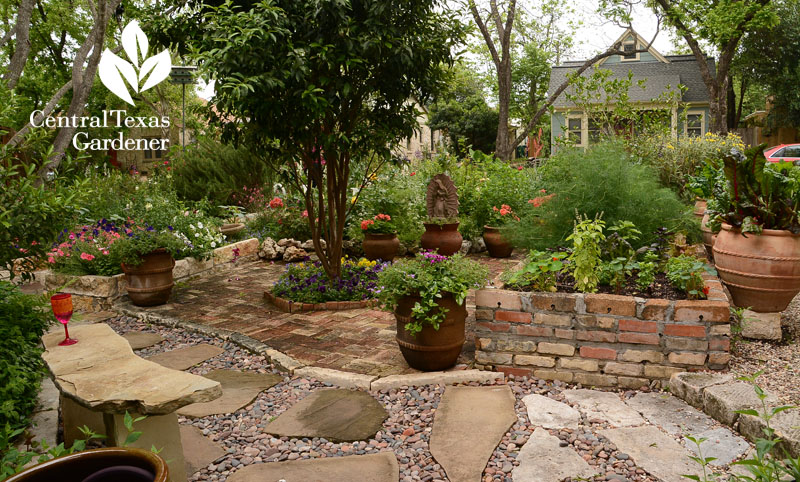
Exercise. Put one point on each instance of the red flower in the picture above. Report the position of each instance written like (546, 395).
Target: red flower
(519, 168)
(555, 259)
(365, 224)
(705, 290)
(542, 191)
(413, 173)
(276, 203)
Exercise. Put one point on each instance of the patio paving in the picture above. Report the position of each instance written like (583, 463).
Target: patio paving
(358, 341)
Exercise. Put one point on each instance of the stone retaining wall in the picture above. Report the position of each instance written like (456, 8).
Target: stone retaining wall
(599, 339)
(97, 293)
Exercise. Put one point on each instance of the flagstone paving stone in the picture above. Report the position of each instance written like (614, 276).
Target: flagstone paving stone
(654, 451)
(187, 357)
(604, 406)
(141, 339)
(381, 467)
(722, 444)
(198, 450)
(334, 414)
(468, 425)
(543, 459)
(672, 414)
(238, 390)
(548, 413)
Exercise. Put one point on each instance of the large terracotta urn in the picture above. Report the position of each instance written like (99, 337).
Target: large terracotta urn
(443, 238)
(496, 244)
(762, 272)
(430, 349)
(380, 246)
(150, 282)
(114, 464)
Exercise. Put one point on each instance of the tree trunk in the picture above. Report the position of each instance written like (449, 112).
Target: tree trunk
(22, 46)
(502, 141)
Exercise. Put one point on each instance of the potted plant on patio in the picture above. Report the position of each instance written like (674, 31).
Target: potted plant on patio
(702, 185)
(497, 245)
(232, 225)
(380, 238)
(441, 231)
(757, 251)
(147, 257)
(428, 297)
(99, 465)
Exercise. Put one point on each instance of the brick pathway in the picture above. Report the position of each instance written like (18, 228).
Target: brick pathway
(360, 341)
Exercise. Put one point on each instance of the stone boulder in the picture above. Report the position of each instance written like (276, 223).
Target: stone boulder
(270, 250)
(466, 246)
(286, 242)
(309, 245)
(478, 246)
(294, 254)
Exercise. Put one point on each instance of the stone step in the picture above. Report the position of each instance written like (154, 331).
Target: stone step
(198, 450)
(606, 406)
(654, 451)
(548, 413)
(542, 459)
(141, 339)
(187, 357)
(381, 467)
(239, 389)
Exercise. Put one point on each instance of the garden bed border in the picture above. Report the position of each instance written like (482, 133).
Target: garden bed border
(289, 306)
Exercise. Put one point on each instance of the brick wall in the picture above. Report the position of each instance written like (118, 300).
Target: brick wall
(598, 339)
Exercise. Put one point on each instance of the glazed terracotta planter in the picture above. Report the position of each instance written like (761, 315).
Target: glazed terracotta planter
(150, 283)
(380, 246)
(231, 228)
(443, 238)
(496, 244)
(432, 350)
(113, 464)
(762, 272)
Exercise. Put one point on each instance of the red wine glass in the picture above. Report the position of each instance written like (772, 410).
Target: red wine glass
(62, 308)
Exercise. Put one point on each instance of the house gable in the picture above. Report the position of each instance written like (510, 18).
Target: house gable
(633, 41)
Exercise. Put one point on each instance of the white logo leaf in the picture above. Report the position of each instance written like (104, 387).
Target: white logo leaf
(160, 64)
(134, 41)
(112, 69)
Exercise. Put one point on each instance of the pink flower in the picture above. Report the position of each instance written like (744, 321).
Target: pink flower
(519, 168)
(60, 253)
(305, 213)
(51, 260)
(87, 256)
(71, 235)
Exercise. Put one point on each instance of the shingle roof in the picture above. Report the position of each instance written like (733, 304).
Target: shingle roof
(658, 77)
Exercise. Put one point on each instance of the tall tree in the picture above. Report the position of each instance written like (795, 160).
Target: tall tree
(721, 24)
(323, 86)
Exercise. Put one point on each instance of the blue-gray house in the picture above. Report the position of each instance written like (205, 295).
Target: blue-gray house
(653, 74)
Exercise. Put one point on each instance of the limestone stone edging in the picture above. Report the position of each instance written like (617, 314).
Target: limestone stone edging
(289, 306)
(294, 367)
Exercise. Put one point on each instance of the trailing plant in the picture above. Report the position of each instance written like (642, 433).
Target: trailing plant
(587, 239)
(685, 273)
(539, 273)
(429, 276)
(307, 282)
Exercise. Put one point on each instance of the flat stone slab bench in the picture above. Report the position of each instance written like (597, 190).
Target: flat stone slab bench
(100, 378)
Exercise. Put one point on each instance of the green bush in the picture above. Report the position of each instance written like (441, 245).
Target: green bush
(603, 180)
(23, 319)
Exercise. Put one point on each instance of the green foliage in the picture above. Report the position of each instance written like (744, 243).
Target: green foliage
(686, 274)
(14, 460)
(23, 320)
(130, 249)
(615, 272)
(429, 275)
(646, 270)
(605, 180)
(539, 273)
(587, 239)
(307, 282)
(379, 224)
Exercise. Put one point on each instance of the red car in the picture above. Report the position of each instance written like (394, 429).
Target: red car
(783, 152)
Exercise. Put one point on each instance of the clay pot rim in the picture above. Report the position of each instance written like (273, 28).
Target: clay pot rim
(493, 228)
(381, 235)
(157, 463)
(442, 226)
(231, 225)
(765, 232)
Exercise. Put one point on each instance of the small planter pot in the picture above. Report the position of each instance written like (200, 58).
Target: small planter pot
(150, 283)
(113, 464)
(444, 238)
(762, 272)
(231, 228)
(432, 350)
(380, 246)
(708, 237)
(496, 244)
(700, 207)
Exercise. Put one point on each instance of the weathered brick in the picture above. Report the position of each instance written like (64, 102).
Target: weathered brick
(579, 364)
(491, 358)
(484, 315)
(488, 325)
(718, 360)
(556, 349)
(594, 321)
(554, 301)
(687, 358)
(565, 334)
(685, 344)
(528, 330)
(631, 382)
(710, 311)
(719, 344)
(598, 336)
(517, 372)
(533, 360)
(656, 309)
(638, 356)
(512, 345)
(553, 375)
(512, 316)
(724, 330)
(493, 298)
(714, 284)
(594, 380)
(697, 331)
(716, 295)
(484, 344)
(610, 304)
(639, 326)
(552, 320)
(660, 371)
(639, 338)
(628, 369)
(597, 352)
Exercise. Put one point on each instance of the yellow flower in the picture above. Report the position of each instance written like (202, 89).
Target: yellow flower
(353, 201)
(669, 146)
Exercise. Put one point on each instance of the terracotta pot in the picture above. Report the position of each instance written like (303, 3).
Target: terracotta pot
(231, 228)
(708, 237)
(150, 283)
(497, 246)
(432, 350)
(444, 238)
(700, 208)
(380, 246)
(99, 465)
(762, 272)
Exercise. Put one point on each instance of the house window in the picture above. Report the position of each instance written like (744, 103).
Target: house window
(595, 131)
(695, 124)
(575, 130)
(152, 154)
(630, 51)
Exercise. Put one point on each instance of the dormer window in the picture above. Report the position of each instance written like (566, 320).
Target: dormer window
(629, 47)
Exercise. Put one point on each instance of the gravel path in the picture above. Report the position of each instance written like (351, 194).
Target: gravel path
(780, 363)
(406, 432)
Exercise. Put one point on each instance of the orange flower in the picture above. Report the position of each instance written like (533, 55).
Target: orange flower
(365, 224)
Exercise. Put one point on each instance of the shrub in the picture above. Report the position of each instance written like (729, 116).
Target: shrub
(602, 180)
(308, 283)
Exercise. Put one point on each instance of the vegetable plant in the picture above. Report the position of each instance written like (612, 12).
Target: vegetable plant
(587, 238)
(540, 271)
(686, 274)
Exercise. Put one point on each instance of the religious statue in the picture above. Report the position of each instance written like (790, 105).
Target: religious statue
(442, 197)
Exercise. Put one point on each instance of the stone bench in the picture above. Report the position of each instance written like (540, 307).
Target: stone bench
(100, 378)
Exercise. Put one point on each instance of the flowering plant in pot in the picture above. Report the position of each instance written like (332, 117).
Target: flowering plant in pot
(755, 211)
(427, 295)
(380, 238)
(496, 244)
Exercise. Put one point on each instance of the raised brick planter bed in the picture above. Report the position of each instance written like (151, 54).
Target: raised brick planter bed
(288, 306)
(599, 339)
